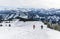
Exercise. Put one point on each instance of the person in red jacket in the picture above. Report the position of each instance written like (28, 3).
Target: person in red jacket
(33, 26)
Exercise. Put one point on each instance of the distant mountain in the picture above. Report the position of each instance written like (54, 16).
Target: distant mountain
(31, 13)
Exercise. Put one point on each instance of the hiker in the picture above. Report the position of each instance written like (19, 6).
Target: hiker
(9, 25)
(41, 26)
(33, 26)
(1, 25)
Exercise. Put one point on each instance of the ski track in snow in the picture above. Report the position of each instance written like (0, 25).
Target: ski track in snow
(25, 31)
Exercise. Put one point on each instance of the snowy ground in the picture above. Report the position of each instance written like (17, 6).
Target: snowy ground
(25, 31)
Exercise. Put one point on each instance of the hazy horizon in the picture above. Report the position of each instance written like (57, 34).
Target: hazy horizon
(31, 3)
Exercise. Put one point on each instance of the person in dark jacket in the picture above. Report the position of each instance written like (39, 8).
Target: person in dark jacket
(41, 26)
(9, 25)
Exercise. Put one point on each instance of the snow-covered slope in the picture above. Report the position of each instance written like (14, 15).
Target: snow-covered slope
(26, 31)
(53, 34)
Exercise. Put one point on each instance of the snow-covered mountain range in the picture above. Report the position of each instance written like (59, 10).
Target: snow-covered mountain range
(31, 13)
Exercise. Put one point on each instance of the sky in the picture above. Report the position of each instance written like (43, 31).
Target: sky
(31, 3)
